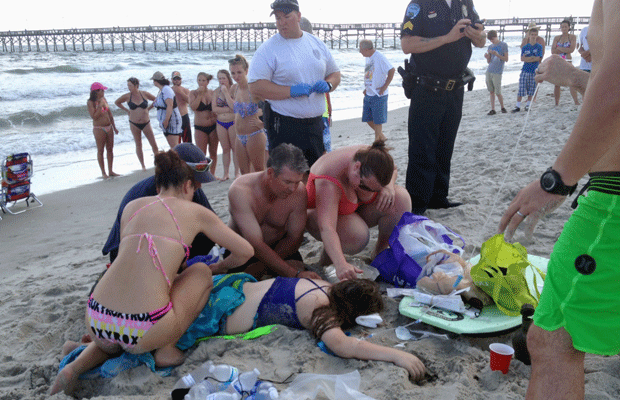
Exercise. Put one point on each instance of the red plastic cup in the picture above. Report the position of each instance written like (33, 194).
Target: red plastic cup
(501, 354)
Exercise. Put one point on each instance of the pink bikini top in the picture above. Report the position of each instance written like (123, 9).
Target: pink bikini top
(149, 238)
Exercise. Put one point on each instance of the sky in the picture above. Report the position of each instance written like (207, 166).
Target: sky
(65, 14)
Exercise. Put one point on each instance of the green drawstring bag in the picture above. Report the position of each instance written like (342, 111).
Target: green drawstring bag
(501, 273)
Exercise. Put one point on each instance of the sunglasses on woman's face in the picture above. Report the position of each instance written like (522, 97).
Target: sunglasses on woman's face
(366, 188)
(200, 166)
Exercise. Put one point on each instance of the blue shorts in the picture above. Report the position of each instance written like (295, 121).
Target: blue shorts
(375, 109)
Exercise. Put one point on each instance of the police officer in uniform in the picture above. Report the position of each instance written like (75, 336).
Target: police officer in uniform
(438, 34)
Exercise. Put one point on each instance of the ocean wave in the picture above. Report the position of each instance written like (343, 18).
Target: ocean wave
(32, 118)
(64, 69)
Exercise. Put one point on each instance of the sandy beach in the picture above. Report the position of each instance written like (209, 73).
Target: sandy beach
(50, 257)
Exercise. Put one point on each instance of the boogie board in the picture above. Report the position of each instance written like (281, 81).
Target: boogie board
(490, 320)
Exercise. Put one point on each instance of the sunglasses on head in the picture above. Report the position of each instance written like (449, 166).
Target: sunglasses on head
(200, 166)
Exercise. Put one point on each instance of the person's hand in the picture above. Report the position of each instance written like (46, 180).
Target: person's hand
(529, 205)
(217, 268)
(129, 112)
(385, 199)
(586, 56)
(309, 275)
(458, 30)
(474, 32)
(166, 123)
(116, 131)
(347, 271)
(555, 70)
(412, 364)
(224, 90)
(301, 89)
(320, 87)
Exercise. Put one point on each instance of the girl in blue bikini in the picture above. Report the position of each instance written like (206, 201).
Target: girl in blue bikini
(322, 308)
(251, 139)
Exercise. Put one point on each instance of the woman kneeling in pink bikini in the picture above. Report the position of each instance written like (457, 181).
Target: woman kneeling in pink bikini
(142, 303)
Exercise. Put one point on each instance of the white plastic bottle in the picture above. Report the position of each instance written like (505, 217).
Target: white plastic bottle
(197, 375)
(265, 391)
(246, 381)
(223, 396)
(223, 374)
(200, 391)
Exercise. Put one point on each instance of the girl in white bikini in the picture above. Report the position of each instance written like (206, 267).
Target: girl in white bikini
(251, 138)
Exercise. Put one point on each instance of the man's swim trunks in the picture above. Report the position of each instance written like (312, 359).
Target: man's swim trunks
(582, 289)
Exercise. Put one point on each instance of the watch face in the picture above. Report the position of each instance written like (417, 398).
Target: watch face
(548, 181)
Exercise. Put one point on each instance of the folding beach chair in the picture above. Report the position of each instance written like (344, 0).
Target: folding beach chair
(16, 173)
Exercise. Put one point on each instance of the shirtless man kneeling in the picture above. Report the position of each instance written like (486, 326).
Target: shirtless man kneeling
(268, 209)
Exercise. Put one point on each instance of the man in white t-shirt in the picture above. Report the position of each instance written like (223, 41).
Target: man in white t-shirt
(584, 50)
(377, 77)
(293, 70)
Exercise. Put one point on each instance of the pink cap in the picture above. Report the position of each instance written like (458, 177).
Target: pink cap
(97, 86)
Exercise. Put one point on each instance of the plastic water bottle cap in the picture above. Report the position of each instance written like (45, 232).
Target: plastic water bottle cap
(188, 380)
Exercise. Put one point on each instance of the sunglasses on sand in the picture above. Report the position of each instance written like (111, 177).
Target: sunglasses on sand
(200, 166)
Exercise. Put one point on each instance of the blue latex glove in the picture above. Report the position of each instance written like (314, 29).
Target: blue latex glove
(320, 87)
(301, 89)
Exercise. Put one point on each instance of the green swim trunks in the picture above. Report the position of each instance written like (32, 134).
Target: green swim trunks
(586, 305)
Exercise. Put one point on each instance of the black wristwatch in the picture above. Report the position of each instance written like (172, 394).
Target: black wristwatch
(551, 182)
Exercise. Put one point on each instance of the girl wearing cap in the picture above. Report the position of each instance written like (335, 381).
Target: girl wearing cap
(167, 110)
(103, 126)
(139, 121)
(251, 139)
(226, 121)
(204, 118)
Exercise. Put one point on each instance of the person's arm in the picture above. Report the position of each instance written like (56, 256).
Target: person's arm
(543, 44)
(182, 93)
(216, 230)
(334, 79)
(477, 35)
(327, 199)
(194, 99)
(419, 44)
(217, 109)
(503, 57)
(93, 109)
(349, 347)
(111, 117)
(554, 46)
(148, 95)
(119, 102)
(169, 108)
(268, 90)
(594, 134)
(244, 218)
(388, 80)
(573, 44)
(557, 71)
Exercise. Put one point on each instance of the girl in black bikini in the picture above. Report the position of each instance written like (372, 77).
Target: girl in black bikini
(139, 121)
(204, 118)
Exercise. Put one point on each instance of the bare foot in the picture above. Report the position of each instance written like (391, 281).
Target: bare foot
(381, 137)
(104, 176)
(112, 173)
(65, 381)
(168, 356)
(70, 345)
(225, 178)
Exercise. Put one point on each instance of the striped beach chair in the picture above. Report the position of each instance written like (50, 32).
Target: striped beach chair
(16, 173)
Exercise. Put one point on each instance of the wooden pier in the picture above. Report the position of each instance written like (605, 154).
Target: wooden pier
(231, 36)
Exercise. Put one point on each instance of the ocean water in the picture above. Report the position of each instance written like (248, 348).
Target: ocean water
(43, 101)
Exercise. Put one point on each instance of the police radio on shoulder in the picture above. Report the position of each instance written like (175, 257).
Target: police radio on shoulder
(551, 182)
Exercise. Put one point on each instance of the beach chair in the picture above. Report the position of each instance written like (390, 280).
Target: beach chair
(16, 173)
